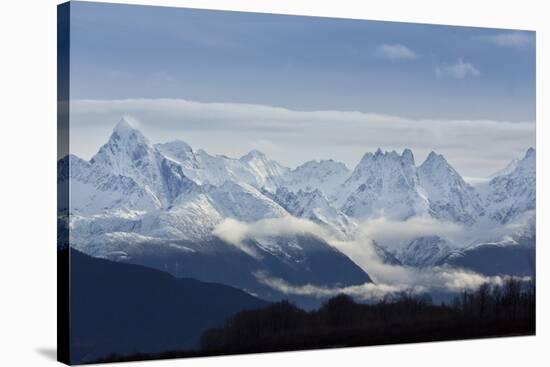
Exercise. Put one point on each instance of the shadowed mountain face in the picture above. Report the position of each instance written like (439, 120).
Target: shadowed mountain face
(312, 261)
(503, 258)
(123, 309)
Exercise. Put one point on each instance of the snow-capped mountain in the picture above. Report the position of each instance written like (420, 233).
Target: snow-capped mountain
(253, 169)
(159, 205)
(129, 154)
(244, 202)
(384, 184)
(267, 173)
(314, 205)
(510, 195)
(325, 175)
(450, 197)
(95, 190)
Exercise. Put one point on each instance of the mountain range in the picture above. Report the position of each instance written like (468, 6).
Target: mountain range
(162, 205)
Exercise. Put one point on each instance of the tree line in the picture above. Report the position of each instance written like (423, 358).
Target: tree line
(489, 311)
(407, 317)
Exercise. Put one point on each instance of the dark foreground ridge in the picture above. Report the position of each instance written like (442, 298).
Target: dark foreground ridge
(498, 311)
(126, 309)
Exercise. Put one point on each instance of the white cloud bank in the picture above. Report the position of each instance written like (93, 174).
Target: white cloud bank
(395, 52)
(235, 232)
(476, 148)
(458, 70)
(395, 231)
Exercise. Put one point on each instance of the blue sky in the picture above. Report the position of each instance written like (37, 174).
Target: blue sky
(413, 71)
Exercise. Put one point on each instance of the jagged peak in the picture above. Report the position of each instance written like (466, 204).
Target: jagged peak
(434, 158)
(253, 154)
(323, 162)
(177, 143)
(408, 156)
(124, 130)
(123, 126)
(367, 156)
(124, 139)
(527, 163)
(530, 153)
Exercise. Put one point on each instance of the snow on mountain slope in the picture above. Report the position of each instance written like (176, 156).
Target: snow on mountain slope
(253, 169)
(385, 256)
(314, 205)
(95, 190)
(218, 169)
(384, 184)
(450, 197)
(324, 175)
(424, 251)
(192, 218)
(128, 153)
(244, 202)
(506, 170)
(268, 173)
(512, 194)
(178, 151)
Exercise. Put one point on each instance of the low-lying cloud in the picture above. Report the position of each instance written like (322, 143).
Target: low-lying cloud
(365, 292)
(386, 230)
(446, 281)
(236, 233)
(388, 279)
(233, 230)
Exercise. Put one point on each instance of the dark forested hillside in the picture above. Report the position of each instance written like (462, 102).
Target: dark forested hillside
(125, 309)
(494, 259)
(489, 312)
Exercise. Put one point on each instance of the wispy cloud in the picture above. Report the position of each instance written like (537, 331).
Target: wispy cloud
(364, 292)
(388, 279)
(234, 231)
(510, 39)
(394, 52)
(435, 279)
(458, 70)
(385, 230)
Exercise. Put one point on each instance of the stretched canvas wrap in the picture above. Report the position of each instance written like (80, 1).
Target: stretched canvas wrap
(234, 182)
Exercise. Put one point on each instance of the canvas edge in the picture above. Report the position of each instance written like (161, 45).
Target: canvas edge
(63, 263)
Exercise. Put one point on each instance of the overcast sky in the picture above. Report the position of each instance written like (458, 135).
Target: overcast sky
(301, 88)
